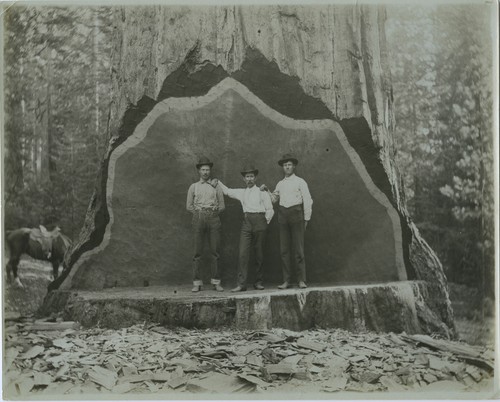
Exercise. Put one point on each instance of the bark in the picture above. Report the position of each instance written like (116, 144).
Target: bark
(336, 53)
(393, 307)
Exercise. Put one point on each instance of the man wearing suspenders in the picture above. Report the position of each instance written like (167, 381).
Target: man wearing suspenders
(205, 203)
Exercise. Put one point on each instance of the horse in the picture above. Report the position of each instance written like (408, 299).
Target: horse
(39, 244)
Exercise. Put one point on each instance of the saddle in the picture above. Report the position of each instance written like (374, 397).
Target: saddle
(37, 235)
(42, 236)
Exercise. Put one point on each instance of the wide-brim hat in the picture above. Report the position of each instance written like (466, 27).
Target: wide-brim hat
(204, 161)
(249, 168)
(288, 158)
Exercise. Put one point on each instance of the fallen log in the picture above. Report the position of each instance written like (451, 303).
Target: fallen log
(52, 326)
(462, 351)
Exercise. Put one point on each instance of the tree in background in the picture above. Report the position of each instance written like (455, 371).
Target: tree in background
(56, 107)
(441, 69)
(467, 117)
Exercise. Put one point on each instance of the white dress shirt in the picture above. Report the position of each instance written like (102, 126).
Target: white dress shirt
(252, 200)
(292, 191)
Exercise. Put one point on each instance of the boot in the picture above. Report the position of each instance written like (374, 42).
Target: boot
(302, 285)
(258, 286)
(284, 285)
(196, 288)
(238, 289)
(218, 288)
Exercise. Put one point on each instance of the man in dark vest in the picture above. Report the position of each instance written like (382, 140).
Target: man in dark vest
(205, 203)
(294, 212)
(257, 213)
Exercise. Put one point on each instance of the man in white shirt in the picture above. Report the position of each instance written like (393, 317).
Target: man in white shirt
(258, 212)
(294, 212)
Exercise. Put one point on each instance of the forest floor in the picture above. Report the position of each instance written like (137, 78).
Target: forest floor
(49, 358)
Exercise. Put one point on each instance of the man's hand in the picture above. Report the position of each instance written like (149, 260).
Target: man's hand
(213, 182)
(263, 188)
(305, 224)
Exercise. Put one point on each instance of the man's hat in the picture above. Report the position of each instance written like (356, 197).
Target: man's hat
(288, 158)
(203, 161)
(249, 168)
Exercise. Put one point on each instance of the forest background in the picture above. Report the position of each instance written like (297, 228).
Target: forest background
(57, 84)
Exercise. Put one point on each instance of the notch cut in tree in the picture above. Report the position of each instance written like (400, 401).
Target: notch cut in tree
(253, 82)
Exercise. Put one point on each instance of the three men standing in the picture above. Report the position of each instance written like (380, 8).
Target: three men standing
(205, 200)
(205, 203)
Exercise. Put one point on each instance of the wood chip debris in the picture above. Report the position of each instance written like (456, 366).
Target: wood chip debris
(102, 376)
(281, 368)
(68, 360)
(33, 352)
(304, 343)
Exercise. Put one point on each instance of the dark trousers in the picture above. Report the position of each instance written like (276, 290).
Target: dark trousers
(206, 226)
(253, 231)
(292, 231)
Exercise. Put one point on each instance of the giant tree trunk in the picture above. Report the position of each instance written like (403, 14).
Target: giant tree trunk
(306, 63)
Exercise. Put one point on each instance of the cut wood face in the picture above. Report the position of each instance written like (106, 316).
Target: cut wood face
(354, 235)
